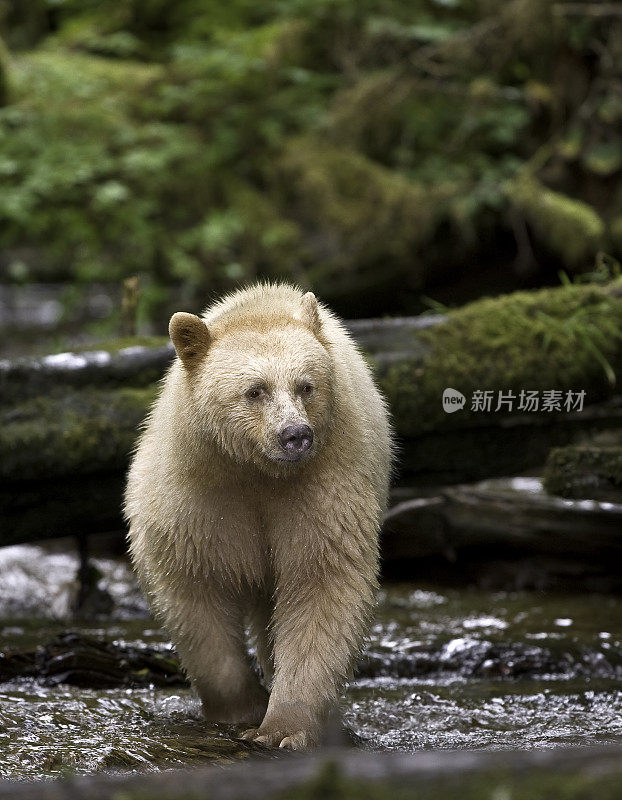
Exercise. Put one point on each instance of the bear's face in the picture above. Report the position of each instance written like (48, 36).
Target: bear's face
(266, 397)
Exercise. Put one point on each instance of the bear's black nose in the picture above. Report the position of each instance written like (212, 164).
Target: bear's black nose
(296, 440)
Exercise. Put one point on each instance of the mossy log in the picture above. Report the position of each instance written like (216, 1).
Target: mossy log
(567, 339)
(76, 434)
(77, 415)
(127, 362)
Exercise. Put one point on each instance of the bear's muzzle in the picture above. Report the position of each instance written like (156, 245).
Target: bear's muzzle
(295, 441)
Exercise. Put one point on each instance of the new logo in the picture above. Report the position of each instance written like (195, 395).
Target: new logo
(453, 400)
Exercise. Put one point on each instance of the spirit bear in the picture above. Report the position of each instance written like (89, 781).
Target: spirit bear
(254, 501)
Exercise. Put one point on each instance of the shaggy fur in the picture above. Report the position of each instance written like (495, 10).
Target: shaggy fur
(228, 535)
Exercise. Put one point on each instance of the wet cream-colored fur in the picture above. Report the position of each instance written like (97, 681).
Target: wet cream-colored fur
(227, 535)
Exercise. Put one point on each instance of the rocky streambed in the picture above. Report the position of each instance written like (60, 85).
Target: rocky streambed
(444, 669)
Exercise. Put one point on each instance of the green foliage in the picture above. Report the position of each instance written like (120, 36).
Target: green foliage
(23, 24)
(379, 144)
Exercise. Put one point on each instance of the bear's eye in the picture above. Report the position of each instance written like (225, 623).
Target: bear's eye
(255, 392)
(306, 388)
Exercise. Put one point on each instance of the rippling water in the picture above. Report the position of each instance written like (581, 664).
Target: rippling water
(555, 677)
(444, 669)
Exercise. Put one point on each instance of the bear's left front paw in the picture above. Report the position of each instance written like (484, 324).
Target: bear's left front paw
(298, 740)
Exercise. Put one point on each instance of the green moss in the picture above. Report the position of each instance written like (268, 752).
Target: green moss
(567, 338)
(585, 472)
(572, 229)
(79, 433)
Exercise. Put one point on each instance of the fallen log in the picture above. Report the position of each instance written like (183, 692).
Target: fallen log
(125, 362)
(570, 772)
(76, 417)
(506, 534)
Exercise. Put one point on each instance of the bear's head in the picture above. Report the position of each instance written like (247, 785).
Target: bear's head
(260, 384)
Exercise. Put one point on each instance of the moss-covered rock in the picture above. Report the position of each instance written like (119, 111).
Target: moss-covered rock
(585, 471)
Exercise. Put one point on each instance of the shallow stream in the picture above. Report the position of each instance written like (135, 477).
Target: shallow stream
(444, 669)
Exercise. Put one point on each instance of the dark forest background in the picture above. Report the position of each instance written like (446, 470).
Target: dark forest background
(382, 152)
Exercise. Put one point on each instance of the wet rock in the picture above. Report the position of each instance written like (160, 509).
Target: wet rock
(470, 659)
(80, 660)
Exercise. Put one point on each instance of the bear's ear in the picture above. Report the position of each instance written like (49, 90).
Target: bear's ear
(310, 313)
(190, 336)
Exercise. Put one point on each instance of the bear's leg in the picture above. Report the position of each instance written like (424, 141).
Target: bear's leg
(319, 623)
(210, 641)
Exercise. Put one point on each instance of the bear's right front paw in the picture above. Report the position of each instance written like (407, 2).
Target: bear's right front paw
(299, 740)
